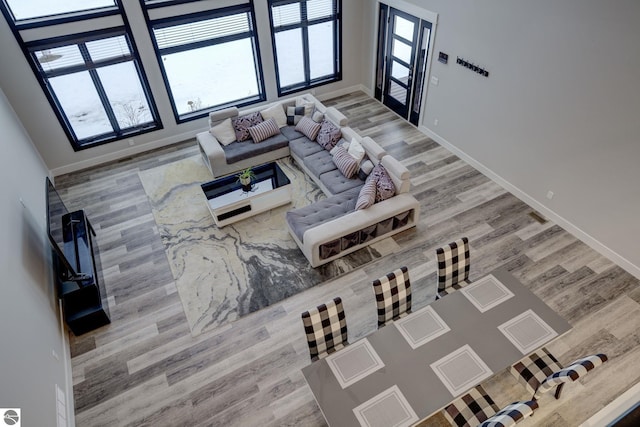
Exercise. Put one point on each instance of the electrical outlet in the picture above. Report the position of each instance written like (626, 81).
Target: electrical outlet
(435, 122)
(131, 142)
(550, 194)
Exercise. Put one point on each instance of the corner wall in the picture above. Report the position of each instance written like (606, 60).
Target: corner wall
(35, 355)
(558, 112)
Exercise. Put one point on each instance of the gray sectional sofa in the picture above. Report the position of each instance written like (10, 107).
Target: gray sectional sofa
(224, 160)
(329, 228)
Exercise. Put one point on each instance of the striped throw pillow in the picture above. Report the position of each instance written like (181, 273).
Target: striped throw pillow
(264, 130)
(345, 162)
(308, 127)
(367, 196)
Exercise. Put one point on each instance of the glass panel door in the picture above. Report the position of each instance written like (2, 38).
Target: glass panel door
(421, 71)
(402, 61)
(401, 49)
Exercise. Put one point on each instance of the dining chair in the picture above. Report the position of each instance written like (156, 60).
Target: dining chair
(326, 329)
(454, 262)
(541, 372)
(393, 295)
(477, 408)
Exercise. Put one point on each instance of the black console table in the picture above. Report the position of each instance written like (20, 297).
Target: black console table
(83, 297)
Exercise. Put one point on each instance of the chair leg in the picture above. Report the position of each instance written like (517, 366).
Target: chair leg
(558, 391)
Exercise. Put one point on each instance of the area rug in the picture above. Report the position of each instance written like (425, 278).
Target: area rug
(225, 273)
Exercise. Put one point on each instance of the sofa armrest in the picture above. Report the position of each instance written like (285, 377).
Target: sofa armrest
(355, 221)
(398, 172)
(211, 150)
(336, 117)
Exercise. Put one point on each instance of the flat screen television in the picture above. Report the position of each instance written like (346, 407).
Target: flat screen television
(62, 235)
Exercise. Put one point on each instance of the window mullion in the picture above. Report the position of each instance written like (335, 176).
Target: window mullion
(93, 72)
(304, 25)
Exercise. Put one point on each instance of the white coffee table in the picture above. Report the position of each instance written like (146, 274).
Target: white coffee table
(229, 203)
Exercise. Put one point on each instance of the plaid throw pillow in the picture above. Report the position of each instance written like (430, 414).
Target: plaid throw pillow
(243, 123)
(294, 114)
(264, 130)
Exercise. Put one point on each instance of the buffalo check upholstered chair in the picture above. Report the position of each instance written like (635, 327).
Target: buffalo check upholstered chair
(326, 329)
(477, 408)
(541, 372)
(454, 262)
(393, 295)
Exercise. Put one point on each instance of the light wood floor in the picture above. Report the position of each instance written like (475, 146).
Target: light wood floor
(146, 369)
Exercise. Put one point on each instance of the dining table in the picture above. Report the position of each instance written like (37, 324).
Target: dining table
(415, 366)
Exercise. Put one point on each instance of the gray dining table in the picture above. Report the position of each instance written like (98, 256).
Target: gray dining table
(413, 367)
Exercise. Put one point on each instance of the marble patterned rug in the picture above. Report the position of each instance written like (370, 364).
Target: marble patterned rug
(224, 273)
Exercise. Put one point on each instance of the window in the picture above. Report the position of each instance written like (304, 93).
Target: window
(95, 84)
(22, 10)
(209, 60)
(307, 42)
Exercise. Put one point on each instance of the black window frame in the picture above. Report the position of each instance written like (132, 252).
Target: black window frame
(200, 16)
(89, 66)
(29, 47)
(58, 18)
(304, 25)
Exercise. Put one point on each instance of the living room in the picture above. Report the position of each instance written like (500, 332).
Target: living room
(556, 114)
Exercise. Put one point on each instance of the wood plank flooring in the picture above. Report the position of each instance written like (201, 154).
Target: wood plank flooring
(146, 369)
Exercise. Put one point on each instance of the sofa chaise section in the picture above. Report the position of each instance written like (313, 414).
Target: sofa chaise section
(331, 228)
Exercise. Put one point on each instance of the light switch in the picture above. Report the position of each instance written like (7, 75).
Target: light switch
(434, 80)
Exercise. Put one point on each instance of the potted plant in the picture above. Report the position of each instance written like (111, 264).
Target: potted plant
(246, 176)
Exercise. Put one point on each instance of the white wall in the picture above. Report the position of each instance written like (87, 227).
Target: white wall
(29, 102)
(559, 111)
(29, 325)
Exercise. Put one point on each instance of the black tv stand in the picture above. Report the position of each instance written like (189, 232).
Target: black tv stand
(83, 297)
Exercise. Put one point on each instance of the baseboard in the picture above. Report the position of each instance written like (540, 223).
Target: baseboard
(117, 155)
(342, 92)
(592, 242)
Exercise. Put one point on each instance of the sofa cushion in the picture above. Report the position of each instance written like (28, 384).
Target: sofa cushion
(366, 166)
(345, 162)
(317, 116)
(328, 135)
(243, 123)
(224, 132)
(308, 127)
(294, 114)
(306, 217)
(275, 112)
(246, 149)
(319, 163)
(337, 183)
(303, 147)
(309, 106)
(264, 130)
(291, 133)
(356, 150)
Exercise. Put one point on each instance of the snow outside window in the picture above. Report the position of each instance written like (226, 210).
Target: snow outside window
(306, 39)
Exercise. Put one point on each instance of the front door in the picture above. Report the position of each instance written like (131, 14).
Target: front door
(401, 51)
(402, 59)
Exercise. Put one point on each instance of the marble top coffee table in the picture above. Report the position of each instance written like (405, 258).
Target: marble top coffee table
(229, 203)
